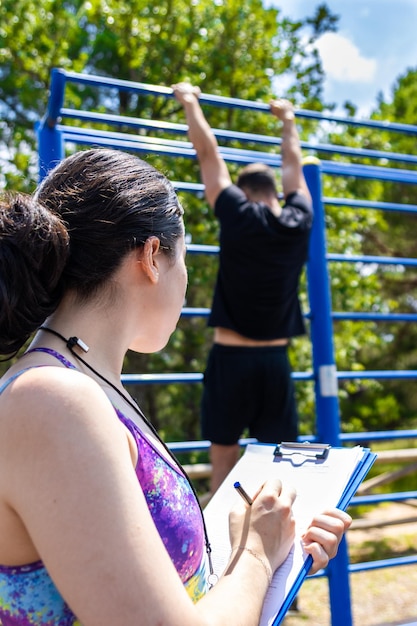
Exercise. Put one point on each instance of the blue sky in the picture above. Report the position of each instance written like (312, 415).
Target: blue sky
(376, 42)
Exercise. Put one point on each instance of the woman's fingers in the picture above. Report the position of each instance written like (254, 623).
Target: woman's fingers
(333, 521)
(322, 538)
(267, 526)
(320, 557)
(276, 488)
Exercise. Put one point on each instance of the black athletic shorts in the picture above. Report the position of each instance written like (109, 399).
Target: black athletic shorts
(248, 388)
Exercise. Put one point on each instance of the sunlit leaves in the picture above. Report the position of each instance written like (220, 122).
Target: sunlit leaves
(234, 48)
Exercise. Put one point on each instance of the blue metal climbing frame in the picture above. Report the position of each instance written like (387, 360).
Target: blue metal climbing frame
(53, 136)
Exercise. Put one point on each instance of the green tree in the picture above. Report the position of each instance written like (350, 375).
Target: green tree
(230, 47)
(233, 48)
(32, 41)
(376, 288)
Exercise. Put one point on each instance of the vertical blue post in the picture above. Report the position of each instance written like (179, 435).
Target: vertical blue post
(327, 405)
(326, 387)
(50, 139)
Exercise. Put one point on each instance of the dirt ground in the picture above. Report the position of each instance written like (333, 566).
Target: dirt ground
(381, 597)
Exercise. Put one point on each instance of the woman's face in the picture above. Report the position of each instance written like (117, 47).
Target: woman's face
(165, 300)
(173, 284)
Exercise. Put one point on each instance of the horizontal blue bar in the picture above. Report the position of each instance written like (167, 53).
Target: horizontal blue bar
(371, 565)
(379, 435)
(196, 377)
(370, 204)
(180, 377)
(158, 125)
(240, 156)
(118, 83)
(170, 147)
(376, 317)
(351, 121)
(195, 446)
(359, 152)
(174, 377)
(191, 446)
(195, 312)
(124, 120)
(368, 171)
(348, 202)
(197, 248)
(70, 131)
(362, 258)
(133, 144)
(224, 101)
(383, 497)
(181, 129)
(192, 187)
(376, 374)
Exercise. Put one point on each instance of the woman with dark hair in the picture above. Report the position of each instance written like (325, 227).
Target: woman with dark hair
(98, 522)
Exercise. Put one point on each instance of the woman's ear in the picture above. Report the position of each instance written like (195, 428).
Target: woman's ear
(150, 251)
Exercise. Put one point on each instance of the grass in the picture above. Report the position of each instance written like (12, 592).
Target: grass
(384, 548)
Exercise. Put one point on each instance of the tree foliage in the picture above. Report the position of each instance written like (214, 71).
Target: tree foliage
(233, 48)
(381, 288)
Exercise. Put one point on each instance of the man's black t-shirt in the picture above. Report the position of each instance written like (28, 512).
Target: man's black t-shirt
(261, 259)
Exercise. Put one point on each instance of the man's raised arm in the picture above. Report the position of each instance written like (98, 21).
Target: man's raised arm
(214, 172)
(292, 169)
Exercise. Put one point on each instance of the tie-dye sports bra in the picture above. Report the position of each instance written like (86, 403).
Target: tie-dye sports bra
(28, 597)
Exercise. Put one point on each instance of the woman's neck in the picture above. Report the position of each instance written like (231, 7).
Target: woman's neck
(100, 344)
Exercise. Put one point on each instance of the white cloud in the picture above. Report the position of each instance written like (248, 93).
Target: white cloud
(342, 60)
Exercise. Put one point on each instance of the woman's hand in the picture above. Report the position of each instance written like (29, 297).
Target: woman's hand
(324, 535)
(267, 527)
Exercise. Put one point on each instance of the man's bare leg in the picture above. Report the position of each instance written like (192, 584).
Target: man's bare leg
(223, 459)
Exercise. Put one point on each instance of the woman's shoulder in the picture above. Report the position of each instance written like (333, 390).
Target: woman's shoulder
(49, 415)
(43, 396)
(38, 378)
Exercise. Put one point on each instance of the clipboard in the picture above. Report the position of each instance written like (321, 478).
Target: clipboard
(323, 476)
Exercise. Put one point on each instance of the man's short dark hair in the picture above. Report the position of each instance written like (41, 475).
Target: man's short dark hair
(257, 177)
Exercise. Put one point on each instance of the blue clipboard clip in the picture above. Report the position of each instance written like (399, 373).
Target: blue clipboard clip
(302, 451)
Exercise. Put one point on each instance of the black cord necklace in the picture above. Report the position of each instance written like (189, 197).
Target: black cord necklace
(75, 341)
